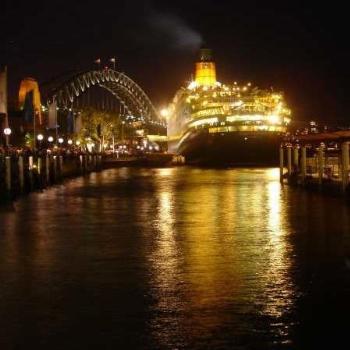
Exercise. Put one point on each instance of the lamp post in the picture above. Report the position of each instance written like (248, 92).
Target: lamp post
(123, 123)
(7, 133)
(40, 137)
(113, 61)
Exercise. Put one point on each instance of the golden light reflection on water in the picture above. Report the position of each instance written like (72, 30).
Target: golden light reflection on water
(278, 300)
(224, 241)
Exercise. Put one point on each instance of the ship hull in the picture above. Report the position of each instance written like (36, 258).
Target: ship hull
(235, 148)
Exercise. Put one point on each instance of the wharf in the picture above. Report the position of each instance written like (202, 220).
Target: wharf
(317, 161)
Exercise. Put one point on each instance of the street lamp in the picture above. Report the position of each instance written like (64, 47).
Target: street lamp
(7, 133)
(40, 137)
(60, 140)
(50, 139)
(70, 142)
(77, 143)
(113, 61)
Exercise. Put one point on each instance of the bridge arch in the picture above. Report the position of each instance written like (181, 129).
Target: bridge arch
(122, 87)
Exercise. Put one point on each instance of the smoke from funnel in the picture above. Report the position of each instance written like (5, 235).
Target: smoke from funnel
(174, 32)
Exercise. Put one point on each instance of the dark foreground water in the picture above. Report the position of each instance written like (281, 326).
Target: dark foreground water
(179, 258)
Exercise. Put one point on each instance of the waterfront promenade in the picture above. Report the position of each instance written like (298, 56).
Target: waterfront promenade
(25, 171)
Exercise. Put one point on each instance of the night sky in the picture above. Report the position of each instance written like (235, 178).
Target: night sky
(301, 49)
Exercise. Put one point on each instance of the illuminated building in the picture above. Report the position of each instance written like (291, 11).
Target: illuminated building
(30, 85)
(231, 123)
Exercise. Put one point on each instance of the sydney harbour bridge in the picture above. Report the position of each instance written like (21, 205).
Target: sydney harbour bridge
(105, 90)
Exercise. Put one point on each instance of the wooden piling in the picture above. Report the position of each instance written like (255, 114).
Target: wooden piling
(296, 157)
(303, 164)
(281, 162)
(30, 169)
(61, 166)
(40, 164)
(47, 169)
(289, 160)
(8, 174)
(55, 168)
(21, 173)
(345, 164)
(320, 158)
(81, 169)
(85, 163)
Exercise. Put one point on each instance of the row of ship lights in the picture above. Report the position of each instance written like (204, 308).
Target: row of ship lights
(194, 85)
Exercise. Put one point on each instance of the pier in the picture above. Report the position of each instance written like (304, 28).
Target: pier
(23, 173)
(317, 161)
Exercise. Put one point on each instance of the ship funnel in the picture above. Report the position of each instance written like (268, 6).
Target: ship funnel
(205, 69)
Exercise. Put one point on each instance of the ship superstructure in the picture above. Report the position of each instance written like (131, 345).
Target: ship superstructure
(207, 108)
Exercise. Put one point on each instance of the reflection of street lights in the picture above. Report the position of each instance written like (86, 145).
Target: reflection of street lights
(7, 132)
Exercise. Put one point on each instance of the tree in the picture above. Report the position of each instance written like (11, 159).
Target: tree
(99, 126)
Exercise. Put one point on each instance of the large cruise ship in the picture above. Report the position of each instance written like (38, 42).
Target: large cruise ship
(211, 122)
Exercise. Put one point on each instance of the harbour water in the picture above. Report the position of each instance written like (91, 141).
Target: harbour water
(175, 258)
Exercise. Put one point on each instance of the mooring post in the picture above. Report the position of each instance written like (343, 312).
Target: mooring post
(47, 169)
(303, 163)
(30, 168)
(40, 162)
(345, 164)
(85, 163)
(8, 173)
(40, 179)
(54, 168)
(281, 162)
(21, 173)
(81, 164)
(61, 166)
(90, 161)
(320, 164)
(296, 157)
(289, 160)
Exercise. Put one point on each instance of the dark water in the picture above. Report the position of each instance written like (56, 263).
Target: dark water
(179, 258)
